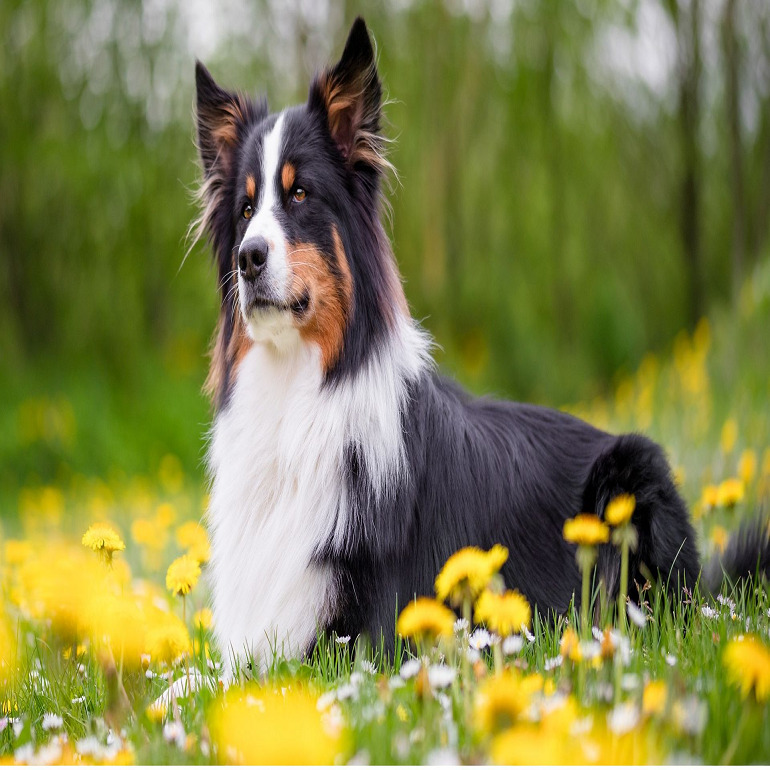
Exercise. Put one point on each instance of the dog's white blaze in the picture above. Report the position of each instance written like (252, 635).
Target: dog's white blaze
(277, 460)
(265, 223)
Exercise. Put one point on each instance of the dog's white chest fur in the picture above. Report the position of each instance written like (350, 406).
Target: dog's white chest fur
(278, 493)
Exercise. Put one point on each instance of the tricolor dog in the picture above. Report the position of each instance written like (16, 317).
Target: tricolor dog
(345, 469)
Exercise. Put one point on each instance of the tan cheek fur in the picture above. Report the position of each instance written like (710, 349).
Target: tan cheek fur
(331, 297)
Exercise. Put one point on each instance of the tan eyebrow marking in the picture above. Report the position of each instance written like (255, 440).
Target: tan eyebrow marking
(251, 186)
(288, 174)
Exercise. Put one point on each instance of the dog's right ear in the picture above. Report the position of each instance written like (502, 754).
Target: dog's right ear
(221, 117)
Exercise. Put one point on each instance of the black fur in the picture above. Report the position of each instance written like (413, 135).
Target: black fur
(480, 471)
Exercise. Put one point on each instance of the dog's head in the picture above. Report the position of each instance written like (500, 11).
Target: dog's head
(291, 204)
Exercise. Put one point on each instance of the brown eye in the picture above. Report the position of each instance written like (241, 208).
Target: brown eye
(299, 195)
(247, 211)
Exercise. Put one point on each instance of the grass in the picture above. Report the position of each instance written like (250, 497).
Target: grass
(706, 401)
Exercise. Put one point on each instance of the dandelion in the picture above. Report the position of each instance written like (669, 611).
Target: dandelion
(182, 576)
(710, 497)
(587, 531)
(168, 640)
(730, 493)
(203, 618)
(729, 435)
(426, 619)
(569, 646)
(468, 572)
(501, 700)
(618, 513)
(193, 538)
(103, 539)
(747, 466)
(747, 661)
(527, 744)
(719, 537)
(619, 510)
(261, 727)
(654, 698)
(505, 613)
(16, 552)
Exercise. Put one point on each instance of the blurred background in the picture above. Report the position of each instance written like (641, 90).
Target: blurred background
(579, 183)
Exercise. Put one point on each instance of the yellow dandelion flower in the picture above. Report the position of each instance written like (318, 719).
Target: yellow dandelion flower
(502, 699)
(729, 435)
(103, 539)
(504, 614)
(7, 647)
(730, 492)
(710, 496)
(182, 575)
(654, 697)
(259, 727)
(165, 514)
(201, 651)
(527, 744)
(193, 538)
(426, 618)
(569, 646)
(203, 618)
(168, 640)
(468, 572)
(619, 510)
(747, 661)
(747, 466)
(586, 529)
(117, 621)
(171, 474)
(719, 537)
(156, 712)
(149, 533)
(16, 552)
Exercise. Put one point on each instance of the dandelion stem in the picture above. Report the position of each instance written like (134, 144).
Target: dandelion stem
(623, 586)
(497, 649)
(466, 662)
(585, 598)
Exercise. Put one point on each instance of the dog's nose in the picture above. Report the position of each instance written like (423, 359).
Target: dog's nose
(252, 256)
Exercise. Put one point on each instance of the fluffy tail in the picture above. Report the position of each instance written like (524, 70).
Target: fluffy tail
(746, 554)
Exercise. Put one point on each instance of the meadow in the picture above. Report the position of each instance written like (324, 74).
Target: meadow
(104, 604)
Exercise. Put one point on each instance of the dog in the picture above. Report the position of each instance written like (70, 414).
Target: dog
(344, 468)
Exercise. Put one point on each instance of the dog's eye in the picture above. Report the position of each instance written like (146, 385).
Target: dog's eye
(299, 195)
(247, 211)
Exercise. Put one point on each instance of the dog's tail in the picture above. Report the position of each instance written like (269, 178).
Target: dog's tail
(746, 555)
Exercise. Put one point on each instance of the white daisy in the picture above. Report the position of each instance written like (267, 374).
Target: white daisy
(52, 722)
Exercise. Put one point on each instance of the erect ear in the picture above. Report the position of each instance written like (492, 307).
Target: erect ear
(350, 95)
(221, 115)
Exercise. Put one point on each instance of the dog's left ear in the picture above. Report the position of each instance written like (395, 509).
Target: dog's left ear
(350, 95)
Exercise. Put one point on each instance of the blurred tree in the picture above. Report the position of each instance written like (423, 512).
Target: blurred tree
(540, 148)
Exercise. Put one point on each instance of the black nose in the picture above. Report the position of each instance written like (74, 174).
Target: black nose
(252, 256)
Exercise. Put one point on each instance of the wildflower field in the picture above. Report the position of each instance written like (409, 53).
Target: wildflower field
(104, 604)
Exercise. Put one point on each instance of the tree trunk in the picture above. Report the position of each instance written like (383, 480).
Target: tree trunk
(732, 105)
